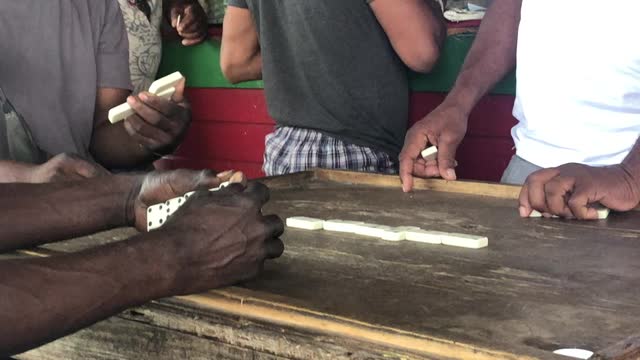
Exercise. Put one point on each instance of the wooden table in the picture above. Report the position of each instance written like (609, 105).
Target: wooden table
(542, 284)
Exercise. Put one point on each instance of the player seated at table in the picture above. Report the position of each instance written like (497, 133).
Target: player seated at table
(577, 102)
(335, 75)
(68, 69)
(215, 239)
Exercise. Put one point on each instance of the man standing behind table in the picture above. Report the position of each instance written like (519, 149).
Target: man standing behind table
(334, 75)
(577, 102)
(64, 64)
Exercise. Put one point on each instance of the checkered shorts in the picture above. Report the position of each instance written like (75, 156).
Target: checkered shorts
(290, 149)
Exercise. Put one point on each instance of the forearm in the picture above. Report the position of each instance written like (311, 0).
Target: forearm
(14, 172)
(47, 298)
(113, 148)
(250, 69)
(491, 57)
(36, 214)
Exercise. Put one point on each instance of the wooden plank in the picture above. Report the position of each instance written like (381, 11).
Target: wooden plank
(393, 181)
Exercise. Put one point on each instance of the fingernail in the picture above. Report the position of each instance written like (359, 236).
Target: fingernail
(131, 99)
(143, 96)
(225, 173)
(523, 211)
(451, 174)
(237, 177)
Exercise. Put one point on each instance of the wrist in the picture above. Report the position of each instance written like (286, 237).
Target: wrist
(156, 256)
(461, 101)
(130, 187)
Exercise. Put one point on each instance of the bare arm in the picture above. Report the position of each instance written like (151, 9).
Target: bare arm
(491, 57)
(44, 299)
(213, 240)
(111, 145)
(157, 127)
(61, 210)
(415, 29)
(240, 56)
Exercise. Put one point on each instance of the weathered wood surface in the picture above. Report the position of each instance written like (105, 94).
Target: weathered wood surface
(542, 284)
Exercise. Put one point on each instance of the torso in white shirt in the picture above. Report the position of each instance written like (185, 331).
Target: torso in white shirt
(578, 82)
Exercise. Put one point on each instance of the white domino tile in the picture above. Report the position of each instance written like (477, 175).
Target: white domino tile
(306, 223)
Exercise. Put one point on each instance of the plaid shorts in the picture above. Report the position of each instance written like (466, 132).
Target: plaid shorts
(290, 150)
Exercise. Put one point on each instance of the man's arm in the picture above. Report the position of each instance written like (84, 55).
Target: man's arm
(44, 299)
(63, 167)
(240, 56)
(35, 214)
(491, 57)
(156, 129)
(574, 190)
(415, 29)
(111, 145)
(213, 240)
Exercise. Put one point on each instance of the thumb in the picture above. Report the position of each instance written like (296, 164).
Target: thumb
(447, 159)
(87, 169)
(178, 95)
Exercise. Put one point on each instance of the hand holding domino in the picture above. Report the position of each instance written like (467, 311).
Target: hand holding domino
(168, 186)
(164, 88)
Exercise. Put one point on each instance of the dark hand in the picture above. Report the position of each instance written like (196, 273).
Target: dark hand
(445, 128)
(65, 167)
(159, 124)
(221, 238)
(193, 22)
(158, 187)
(570, 191)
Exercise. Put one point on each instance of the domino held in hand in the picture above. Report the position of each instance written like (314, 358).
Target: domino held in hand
(158, 214)
(164, 88)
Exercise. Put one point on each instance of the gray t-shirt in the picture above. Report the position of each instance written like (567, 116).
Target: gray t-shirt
(54, 54)
(328, 65)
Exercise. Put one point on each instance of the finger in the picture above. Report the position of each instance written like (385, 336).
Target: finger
(194, 41)
(523, 200)
(556, 191)
(415, 142)
(234, 188)
(447, 158)
(145, 134)
(238, 177)
(257, 192)
(579, 202)
(274, 226)
(155, 110)
(175, 11)
(186, 19)
(206, 179)
(535, 196)
(87, 169)
(274, 248)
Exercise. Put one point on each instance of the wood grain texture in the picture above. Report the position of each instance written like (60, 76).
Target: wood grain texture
(541, 285)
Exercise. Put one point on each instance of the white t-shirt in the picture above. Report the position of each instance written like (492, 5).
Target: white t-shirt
(578, 82)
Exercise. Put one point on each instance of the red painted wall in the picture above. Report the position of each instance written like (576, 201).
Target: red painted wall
(229, 126)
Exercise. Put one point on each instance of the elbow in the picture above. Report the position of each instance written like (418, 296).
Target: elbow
(423, 58)
(229, 70)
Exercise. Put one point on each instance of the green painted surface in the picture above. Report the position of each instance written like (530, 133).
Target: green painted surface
(200, 64)
(444, 75)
